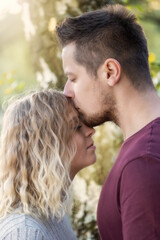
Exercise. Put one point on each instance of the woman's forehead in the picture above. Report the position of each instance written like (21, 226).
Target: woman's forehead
(73, 114)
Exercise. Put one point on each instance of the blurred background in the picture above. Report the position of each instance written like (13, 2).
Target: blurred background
(30, 59)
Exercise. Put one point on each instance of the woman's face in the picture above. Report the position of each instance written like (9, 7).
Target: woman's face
(85, 154)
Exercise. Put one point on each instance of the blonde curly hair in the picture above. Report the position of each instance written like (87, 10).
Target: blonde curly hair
(35, 155)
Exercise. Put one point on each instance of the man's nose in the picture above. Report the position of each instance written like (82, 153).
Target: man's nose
(68, 91)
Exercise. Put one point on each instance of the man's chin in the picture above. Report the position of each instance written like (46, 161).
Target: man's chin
(97, 119)
(90, 121)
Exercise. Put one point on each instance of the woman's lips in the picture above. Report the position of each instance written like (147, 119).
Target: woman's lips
(91, 147)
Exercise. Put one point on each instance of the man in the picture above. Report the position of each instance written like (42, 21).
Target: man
(105, 58)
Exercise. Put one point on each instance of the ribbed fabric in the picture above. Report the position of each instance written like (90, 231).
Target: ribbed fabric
(24, 227)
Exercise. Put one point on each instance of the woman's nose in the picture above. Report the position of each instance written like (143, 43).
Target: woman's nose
(89, 131)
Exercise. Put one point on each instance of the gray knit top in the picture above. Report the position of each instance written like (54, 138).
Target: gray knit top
(25, 227)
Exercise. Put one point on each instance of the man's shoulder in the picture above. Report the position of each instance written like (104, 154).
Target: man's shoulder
(146, 142)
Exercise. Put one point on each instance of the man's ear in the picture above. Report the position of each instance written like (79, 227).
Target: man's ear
(113, 71)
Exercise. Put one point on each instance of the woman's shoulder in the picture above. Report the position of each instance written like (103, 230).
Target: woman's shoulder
(22, 226)
(25, 227)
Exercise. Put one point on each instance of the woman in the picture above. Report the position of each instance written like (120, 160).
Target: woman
(43, 146)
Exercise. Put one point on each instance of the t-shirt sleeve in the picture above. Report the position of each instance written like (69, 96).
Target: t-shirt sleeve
(140, 199)
(27, 233)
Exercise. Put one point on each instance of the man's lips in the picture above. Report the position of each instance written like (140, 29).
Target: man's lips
(75, 105)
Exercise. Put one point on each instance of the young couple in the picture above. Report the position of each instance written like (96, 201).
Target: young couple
(45, 141)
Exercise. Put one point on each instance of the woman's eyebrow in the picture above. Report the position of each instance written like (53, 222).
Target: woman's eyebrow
(75, 120)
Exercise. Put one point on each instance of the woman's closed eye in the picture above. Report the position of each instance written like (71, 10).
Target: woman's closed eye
(78, 127)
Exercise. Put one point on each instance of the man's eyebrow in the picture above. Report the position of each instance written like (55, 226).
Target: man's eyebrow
(67, 73)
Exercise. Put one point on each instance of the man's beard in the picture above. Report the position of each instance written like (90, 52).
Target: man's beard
(108, 113)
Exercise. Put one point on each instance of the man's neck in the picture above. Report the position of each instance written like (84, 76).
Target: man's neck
(137, 110)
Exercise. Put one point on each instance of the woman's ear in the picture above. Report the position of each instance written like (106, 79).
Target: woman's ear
(113, 71)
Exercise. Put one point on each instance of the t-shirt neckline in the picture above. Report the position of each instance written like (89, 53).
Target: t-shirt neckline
(141, 130)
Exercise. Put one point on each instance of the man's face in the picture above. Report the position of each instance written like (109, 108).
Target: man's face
(91, 95)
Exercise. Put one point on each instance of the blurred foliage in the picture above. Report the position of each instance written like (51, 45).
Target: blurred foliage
(46, 55)
(86, 228)
(9, 85)
(155, 71)
(16, 68)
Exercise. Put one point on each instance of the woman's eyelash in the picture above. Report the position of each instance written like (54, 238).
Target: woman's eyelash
(78, 127)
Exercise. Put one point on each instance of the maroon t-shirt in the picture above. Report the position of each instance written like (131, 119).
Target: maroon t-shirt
(129, 205)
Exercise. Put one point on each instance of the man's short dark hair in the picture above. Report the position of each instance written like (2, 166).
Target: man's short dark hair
(111, 32)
